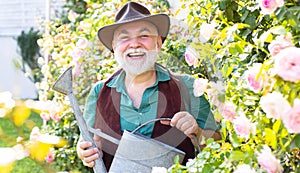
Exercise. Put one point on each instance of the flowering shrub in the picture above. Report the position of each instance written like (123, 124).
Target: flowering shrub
(253, 56)
(244, 54)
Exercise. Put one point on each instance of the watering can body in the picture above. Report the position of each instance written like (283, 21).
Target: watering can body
(137, 153)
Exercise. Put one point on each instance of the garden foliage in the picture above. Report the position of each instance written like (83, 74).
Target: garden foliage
(244, 54)
(249, 51)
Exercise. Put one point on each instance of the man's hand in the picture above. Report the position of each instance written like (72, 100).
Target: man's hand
(87, 154)
(186, 123)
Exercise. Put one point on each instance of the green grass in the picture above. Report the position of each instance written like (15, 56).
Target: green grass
(27, 165)
(9, 132)
(8, 135)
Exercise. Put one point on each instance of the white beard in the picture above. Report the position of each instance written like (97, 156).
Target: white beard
(137, 66)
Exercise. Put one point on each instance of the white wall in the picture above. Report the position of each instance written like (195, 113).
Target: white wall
(12, 79)
(17, 16)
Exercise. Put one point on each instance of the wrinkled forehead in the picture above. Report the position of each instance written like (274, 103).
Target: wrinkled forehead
(136, 27)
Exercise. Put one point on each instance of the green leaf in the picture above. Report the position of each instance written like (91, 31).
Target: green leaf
(295, 8)
(222, 5)
(251, 20)
(237, 155)
(293, 94)
(276, 126)
(232, 50)
(209, 141)
(221, 97)
(292, 21)
(207, 168)
(239, 48)
(270, 138)
(296, 140)
(242, 25)
(227, 69)
(266, 37)
(249, 102)
(234, 140)
(295, 143)
(215, 145)
(284, 133)
(244, 16)
(229, 13)
(278, 30)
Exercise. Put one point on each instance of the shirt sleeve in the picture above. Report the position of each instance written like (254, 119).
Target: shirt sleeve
(199, 107)
(90, 104)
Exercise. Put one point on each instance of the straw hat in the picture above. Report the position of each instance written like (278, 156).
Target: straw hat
(132, 12)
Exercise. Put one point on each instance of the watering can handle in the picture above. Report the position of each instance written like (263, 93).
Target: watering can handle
(150, 121)
(166, 119)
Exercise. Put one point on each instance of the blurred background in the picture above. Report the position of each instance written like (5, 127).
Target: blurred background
(17, 16)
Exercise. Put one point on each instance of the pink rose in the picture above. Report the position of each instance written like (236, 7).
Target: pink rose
(244, 168)
(55, 117)
(82, 43)
(191, 56)
(214, 98)
(254, 83)
(50, 157)
(268, 161)
(54, 112)
(45, 116)
(274, 105)
(269, 6)
(287, 64)
(77, 69)
(291, 119)
(228, 111)
(200, 86)
(243, 127)
(281, 42)
(76, 53)
(216, 91)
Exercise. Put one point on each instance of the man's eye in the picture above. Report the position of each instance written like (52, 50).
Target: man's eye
(124, 38)
(144, 36)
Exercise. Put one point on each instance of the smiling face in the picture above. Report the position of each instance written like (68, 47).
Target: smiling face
(136, 46)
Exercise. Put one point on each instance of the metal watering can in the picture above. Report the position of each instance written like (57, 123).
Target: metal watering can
(135, 153)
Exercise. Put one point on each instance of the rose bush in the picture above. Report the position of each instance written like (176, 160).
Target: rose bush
(244, 55)
(254, 53)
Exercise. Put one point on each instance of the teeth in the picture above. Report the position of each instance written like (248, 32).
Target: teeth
(136, 54)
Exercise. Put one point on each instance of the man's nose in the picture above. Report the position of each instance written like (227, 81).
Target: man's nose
(135, 42)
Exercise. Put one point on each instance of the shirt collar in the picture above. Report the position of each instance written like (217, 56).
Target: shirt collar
(118, 81)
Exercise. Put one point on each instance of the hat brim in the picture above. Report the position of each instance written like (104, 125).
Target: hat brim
(161, 21)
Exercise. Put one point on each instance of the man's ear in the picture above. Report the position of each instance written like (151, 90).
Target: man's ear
(159, 42)
(113, 45)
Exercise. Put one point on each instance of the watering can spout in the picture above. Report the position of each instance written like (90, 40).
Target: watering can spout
(64, 86)
(64, 82)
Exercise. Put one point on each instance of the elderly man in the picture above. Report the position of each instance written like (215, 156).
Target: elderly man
(143, 90)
